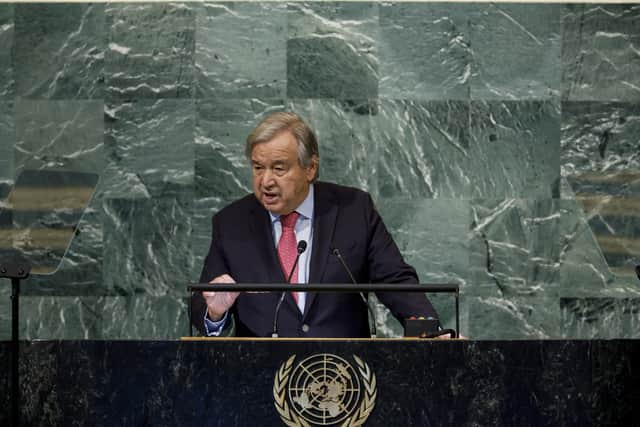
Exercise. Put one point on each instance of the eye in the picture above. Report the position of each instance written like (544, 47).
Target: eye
(257, 168)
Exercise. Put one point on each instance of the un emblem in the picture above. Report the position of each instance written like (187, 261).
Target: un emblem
(324, 389)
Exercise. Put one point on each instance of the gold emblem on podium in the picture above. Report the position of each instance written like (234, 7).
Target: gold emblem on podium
(324, 389)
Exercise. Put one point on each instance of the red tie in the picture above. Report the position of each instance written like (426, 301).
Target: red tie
(287, 248)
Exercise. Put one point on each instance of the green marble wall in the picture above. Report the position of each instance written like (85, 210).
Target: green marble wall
(501, 143)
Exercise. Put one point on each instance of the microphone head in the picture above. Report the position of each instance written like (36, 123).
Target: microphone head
(302, 246)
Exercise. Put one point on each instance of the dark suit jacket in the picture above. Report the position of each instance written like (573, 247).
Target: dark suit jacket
(344, 218)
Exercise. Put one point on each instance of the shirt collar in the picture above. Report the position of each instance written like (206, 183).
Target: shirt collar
(305, 209)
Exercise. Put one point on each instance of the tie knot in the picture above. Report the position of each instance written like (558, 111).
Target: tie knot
(289, 220)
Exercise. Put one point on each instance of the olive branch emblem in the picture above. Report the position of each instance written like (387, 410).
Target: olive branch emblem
(288, 416)
(357, 418)
(370, 392)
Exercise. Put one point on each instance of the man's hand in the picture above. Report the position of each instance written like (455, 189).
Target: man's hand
(448, 337)
(218, 303)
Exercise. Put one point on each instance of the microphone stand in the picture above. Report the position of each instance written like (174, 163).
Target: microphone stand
(372, 328)
(302, 246)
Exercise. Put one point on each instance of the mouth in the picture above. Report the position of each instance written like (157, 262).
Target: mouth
(269, 197)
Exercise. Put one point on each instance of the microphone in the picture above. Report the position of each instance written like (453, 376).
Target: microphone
(372, 328)
(302, 246)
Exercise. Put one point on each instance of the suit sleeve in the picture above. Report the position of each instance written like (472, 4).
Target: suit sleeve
(214, 266)
(386, 265)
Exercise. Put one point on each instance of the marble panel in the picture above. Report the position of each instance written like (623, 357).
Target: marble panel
(59, 51)
(600, 60)
(150, 50)
(60, 135)
(241, 50)
(423, 149)
(600, 318)
(600, 152)
(616, 226)
(432, 235)
(425, 51)
(96, 318)
(516, 51)
(514, 149)
(7, 141)
(59, 317)
(149, 148)
(346, 138)
(7, 30)
(388, 326)
(444, 304)
(601, 161)
(511, 317)
(583, 269)
(147, 246)
(145, 317)
(203, 211)
(534, 248)
(222, 126)
(332, 51)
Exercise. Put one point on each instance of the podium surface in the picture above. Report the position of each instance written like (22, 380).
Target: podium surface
(395, 382)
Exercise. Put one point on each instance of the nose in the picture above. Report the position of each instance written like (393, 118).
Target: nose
(267, 178)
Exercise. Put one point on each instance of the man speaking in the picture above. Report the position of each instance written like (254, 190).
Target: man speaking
(292, 215)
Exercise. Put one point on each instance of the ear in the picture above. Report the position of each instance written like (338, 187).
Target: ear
(312, 170)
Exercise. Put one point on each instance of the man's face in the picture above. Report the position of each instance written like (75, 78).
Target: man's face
(279, 182)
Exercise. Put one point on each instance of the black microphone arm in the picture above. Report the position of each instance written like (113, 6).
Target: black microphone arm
(302, 246)
(372, 329)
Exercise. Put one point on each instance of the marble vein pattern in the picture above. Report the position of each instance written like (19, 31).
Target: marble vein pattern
(516, 51)
(59, 135)
(498, 141)
(7, 30)
(331, 50)
(59, 50)
(423, 149)
(241, 50)
(600, 57)
(515, 149)
(150, 50)
(222, 125)
(346, 131)
(425, 51)
(149, 147)
(601, 161)
(583, 317)
(147, 246)
(7, 143)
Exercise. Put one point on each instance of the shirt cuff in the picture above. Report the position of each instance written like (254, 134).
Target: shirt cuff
(213, 329)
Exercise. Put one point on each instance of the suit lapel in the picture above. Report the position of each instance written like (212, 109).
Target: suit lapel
(324, 222)
(261, 228)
